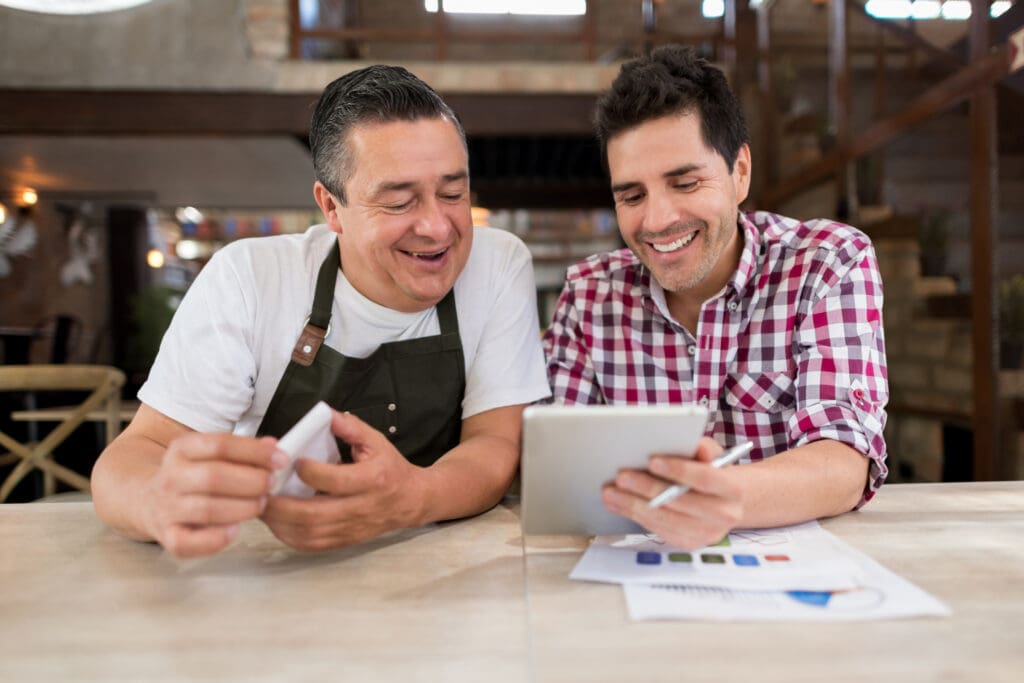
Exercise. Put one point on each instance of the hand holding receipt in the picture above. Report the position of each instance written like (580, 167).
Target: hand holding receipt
(727, 458)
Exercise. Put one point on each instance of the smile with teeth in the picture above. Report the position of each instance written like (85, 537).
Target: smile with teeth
(672, 246)
(430, 256)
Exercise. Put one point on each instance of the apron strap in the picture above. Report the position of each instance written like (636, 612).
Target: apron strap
(315, 331)
(447, 318)
(324, 297)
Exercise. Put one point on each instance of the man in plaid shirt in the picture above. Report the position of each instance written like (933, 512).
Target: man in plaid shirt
(773, 324)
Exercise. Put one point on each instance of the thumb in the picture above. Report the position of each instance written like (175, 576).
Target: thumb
(356, 433)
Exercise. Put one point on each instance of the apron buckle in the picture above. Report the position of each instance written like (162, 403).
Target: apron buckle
(309, 343)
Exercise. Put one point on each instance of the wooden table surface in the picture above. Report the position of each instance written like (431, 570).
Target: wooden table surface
(466, 601)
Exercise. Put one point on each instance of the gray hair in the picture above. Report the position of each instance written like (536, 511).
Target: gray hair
(375, 94)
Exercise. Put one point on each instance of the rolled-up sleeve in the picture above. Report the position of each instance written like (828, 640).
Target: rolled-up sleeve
(842, 379)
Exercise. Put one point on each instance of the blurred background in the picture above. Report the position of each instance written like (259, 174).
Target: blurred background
(138, 137)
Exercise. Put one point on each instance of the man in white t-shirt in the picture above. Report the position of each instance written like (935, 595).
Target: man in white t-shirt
(419, 330)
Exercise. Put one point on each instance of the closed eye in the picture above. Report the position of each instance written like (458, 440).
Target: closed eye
(686, 186)
(631, 198)
(399, 208)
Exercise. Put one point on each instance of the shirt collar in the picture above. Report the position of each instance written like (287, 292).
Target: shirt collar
(657, 295)
(748, 257)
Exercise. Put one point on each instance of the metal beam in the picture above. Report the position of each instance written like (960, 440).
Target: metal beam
(126, 112)
(768, 115)
(839, 104)
(984, 200)
(142, 112)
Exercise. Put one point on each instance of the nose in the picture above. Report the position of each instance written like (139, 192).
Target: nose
(660, 211)
(433, 222)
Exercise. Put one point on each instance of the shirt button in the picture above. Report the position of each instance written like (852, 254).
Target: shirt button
(858, 394)
(703, 400)
(391, 407)
(733, 305)
(392, 429)
(691, 349)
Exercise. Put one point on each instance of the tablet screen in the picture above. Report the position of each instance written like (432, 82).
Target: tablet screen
(569, 452)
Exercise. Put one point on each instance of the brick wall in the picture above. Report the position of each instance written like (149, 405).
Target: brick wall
(929, 360)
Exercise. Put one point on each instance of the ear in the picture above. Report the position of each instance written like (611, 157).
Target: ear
(329, 205)
(741, 174)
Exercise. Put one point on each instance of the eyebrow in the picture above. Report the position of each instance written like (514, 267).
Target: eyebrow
(400, 186)
(387, 186)
(452, 177)
(682, 170)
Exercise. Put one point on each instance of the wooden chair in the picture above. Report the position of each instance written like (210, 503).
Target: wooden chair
(105, 384)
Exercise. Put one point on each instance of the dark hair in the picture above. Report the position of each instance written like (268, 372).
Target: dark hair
(375, 94)
(673, 80)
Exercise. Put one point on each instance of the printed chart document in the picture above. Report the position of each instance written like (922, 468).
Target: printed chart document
(799, 572)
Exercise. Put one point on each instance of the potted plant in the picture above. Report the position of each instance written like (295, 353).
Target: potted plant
(1011, 322)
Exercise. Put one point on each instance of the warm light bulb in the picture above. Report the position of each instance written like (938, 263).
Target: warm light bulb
(155, 258)
(29, 197)
(3, 214)
(481, 216)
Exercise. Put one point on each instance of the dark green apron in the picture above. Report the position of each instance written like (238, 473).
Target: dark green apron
(411, 390)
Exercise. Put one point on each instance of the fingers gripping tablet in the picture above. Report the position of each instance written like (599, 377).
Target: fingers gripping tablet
(311, 437)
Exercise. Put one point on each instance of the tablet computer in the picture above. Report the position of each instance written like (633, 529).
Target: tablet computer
(569, 452)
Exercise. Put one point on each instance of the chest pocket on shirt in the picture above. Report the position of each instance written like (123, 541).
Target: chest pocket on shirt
(768, 392)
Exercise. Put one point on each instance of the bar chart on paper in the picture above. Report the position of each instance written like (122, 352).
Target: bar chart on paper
(799, 573)
(790, 558)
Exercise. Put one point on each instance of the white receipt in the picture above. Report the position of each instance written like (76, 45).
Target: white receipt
(311, 438)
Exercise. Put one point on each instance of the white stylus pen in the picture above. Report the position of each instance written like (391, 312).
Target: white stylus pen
(727, 458)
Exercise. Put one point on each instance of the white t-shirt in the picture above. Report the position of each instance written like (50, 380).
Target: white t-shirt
(232, 337)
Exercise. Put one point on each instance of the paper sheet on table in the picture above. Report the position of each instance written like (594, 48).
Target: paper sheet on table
(801, 557)
(880, 595)
(791, 573)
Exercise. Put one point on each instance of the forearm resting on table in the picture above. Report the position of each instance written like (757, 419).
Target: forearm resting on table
(473, 476)
(820, 479)
(119, 481)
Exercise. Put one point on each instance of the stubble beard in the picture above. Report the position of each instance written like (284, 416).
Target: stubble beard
(681, 280)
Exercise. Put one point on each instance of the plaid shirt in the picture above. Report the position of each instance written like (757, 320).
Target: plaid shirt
(789, 352)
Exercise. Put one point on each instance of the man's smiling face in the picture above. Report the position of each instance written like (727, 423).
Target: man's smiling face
(406, 230)
(677, 201)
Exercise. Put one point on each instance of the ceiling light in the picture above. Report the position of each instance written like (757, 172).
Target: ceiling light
(188, 214)
(956, 9)
(712, 9)
(999, 7)
(72, 6)
(564, 8)
(926, 9)
(888, 9)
